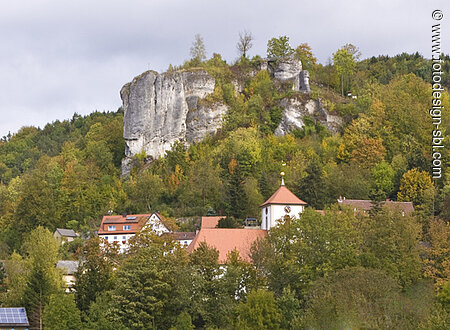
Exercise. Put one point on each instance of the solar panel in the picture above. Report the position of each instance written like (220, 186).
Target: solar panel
(13, 316)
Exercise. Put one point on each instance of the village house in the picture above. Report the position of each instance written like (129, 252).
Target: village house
(120, 228)
(68, 269)
(364, 205)
(64, 235)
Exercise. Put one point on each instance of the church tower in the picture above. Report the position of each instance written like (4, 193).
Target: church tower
(282, 202)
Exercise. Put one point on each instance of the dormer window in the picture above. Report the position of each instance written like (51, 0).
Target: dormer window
(111, 228)
(127, 227)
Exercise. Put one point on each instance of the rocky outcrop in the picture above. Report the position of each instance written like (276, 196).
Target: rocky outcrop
(289, 70)
(160, 109)
(295, 110)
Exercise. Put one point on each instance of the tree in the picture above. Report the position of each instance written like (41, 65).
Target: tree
(305, 249)
(382, 181)
(228, 222)
(198, 52)
(279, 47)
(304, 53)
(368, 152)
(289, 307)
(245, 43)
(416, 187)
(94, 272)
(17, 270)
(141, 199)
(259, 311)
(206, 299)
(345, 64)
(312, 186)
(150, 288)
(437, 260)
(184, 322)
(354, 298)
(391, 243)
(44, 280)
(61, 313)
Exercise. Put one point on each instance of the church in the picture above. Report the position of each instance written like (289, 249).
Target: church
(283, 202)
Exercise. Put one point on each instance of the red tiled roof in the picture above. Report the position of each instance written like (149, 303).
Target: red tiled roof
(210, 222)
(366, 205)
(135, 221)
(228, 239)
(283, 196)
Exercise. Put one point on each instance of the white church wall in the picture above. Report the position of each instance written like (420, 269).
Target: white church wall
(270, 214)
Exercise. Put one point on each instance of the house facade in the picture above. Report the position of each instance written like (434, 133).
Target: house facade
(64, 235)
(120, 228)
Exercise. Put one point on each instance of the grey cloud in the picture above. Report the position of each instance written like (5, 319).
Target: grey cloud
(60, 57)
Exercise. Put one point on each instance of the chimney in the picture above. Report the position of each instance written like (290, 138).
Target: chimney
(124, 214)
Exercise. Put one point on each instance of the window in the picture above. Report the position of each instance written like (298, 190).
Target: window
(124, 238)
(111, 228)
(127, 227)
(115, 238)
(106, 237)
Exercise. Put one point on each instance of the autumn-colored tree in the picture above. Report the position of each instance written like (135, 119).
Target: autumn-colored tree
(437, 261)
(369, 152)
(304, 53)
(416, 187)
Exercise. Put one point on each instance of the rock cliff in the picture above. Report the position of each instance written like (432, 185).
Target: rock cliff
(160, 109)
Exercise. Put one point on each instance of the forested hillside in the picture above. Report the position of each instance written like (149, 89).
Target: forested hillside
(67, 175)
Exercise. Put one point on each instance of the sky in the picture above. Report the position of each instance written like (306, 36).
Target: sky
(61, 57)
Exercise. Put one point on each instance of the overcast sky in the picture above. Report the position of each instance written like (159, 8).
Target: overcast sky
(59, 57)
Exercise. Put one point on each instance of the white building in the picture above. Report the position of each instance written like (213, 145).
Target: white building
(283, 202)
(120, 228)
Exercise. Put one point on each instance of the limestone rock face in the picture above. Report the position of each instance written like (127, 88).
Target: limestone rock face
(295, 110)
(285, 69)
(160, 109)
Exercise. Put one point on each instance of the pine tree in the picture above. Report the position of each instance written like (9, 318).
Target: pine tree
(36, 296)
